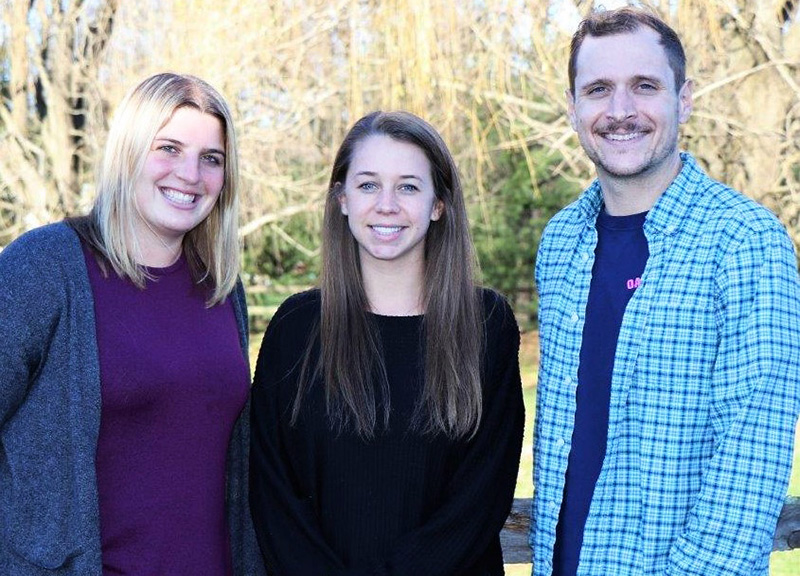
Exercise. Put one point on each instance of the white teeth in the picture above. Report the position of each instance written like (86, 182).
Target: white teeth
(387, 230)
(623, 137)
(177, 197)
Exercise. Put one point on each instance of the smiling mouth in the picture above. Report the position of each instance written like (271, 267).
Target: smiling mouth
(626, 137)
(178, 197)
(386, 230)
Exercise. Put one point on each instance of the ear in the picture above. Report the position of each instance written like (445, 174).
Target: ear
(685, 101)
(342, 198)
(571, 109)
(438, 209)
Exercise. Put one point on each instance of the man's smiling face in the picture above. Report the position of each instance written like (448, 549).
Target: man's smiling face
(626, 109)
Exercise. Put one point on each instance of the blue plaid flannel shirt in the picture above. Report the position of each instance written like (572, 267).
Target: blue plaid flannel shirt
(705, 390)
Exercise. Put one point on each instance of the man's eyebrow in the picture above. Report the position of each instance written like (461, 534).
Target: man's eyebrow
(646, 78)
(594, 82)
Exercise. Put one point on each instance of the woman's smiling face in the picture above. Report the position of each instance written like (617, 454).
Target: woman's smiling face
(389, 200)
(182, 178)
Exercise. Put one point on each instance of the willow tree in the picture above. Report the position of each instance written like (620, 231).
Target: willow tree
(52, 112)
(490, 75)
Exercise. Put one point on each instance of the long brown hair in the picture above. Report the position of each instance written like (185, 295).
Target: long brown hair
(351, 359)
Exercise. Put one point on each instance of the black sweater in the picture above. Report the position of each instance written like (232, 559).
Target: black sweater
(328, 503)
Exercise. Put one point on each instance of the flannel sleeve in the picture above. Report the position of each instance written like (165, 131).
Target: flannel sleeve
(755, 403)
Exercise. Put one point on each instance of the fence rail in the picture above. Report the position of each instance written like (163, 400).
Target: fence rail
(514, 537)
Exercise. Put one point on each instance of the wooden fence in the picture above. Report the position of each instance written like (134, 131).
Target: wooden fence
(514, 537)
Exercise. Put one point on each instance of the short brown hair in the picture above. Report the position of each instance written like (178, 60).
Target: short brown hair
(626, 21)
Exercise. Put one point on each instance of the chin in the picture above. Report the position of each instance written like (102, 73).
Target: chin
(624, 169)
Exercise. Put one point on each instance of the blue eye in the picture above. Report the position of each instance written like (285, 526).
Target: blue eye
(598, 90)
(408, 188)
(168, 148)
(367, 186)
(212, 159)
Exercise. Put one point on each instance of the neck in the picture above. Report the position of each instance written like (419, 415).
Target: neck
(625, 195)
(158, 254)
(394, 290)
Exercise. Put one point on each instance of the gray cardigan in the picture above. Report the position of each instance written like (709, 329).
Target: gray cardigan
(50, 415)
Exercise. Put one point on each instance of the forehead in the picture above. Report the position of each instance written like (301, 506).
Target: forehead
(381, 153)
(620, 57)
(191, 124)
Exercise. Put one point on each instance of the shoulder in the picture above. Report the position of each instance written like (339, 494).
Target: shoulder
(497, 313)
(569, 217)
(725, 207)
(714, 209)
(564, 230)
(288, 332)
(51, 251)
(44, 242)
(43, 275)
(297, 313)
(739, 230)
(299, 304)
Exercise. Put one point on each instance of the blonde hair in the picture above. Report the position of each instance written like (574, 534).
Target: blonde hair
(212, 247)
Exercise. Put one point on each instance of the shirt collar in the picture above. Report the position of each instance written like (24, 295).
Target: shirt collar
(670, 208)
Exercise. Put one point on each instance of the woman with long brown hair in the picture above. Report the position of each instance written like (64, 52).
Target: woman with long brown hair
(387, 408)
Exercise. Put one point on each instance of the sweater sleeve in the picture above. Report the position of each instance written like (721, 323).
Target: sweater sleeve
(244, 549)
(29, 308)
(286, 527)
(481, 491)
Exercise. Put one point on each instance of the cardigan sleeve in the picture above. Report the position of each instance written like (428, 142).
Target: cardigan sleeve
(756, 399)
(244, 549)
(481, 491)
(286, 527)
(29, 306)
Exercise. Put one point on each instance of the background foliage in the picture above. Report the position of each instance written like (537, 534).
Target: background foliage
(490, 74)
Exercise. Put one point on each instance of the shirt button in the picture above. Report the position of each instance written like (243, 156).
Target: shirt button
(560, 442)
(584, 256)
(568, 380)
(574, 318)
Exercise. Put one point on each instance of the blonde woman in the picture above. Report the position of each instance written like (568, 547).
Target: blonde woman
(123, 364)
(387, 406)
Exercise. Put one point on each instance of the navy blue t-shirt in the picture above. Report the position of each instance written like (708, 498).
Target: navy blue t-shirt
(620, 258)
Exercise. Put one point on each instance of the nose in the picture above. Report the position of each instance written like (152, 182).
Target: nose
(386, 202)
(621, 105)
(188, 169)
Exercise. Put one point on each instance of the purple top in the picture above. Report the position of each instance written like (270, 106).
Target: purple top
(173, 381)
